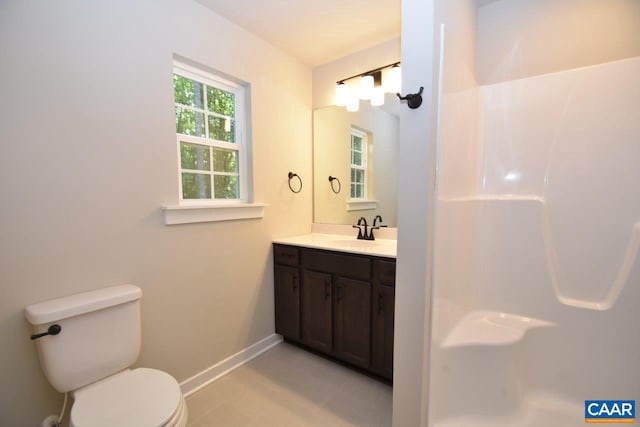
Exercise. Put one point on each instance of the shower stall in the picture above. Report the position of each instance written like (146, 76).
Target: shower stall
(535, 302)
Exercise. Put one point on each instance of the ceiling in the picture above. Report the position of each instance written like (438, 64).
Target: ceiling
(315, 31)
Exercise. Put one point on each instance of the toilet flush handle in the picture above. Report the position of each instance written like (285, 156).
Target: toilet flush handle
(53, 330)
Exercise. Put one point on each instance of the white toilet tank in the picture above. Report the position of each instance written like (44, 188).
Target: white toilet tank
(100, 335)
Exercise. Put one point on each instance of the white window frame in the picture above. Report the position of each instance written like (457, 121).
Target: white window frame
(365, 149)
(212, 209)
(217, 82)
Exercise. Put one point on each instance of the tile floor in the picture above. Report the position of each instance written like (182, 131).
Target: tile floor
(287, 386)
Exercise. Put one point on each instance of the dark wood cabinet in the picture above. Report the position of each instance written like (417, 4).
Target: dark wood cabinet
(317, 310)
(287, 290)
(384, 273)
(287, 299)
(340, 304)
(352, 321)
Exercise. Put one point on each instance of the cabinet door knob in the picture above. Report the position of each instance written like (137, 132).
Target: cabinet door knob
(339, 292)
(327, 289)
(294, 281)
(380, 303)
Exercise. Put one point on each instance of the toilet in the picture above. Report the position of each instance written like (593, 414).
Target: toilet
(89, 353)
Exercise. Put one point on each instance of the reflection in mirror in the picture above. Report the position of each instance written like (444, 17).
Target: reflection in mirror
(361, 150)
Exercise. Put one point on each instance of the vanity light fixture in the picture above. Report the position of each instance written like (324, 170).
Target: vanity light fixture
(353, 103)
(393, 80)
(366, 86)
(372, 85)
(377, 99)
(342, 94)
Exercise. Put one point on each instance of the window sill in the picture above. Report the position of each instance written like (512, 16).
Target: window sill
(187, 214)
(361, 205)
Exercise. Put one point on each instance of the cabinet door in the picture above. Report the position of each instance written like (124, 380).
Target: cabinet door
(287, 299)
(316, 310)
(353, 321)
(382, 340)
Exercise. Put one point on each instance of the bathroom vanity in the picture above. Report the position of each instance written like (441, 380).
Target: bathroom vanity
(339, 303)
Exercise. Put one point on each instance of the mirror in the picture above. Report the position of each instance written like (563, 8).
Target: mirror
(362, 146)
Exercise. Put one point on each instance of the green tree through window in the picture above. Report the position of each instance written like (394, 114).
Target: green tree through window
(207, 132)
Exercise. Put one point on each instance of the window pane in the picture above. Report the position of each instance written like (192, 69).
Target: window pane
(357, 191)
(189, 122)
(356, 158)
(357, 176)
(225, 160)
(188, 92)
(226, 187)
(193, 156)
(222, 129)
(356, 143)
(196, 186)
(220, 101)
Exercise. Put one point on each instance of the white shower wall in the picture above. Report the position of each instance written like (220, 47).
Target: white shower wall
(571, 139)
(538, 227)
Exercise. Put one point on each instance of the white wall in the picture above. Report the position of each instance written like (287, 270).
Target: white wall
(416, 180)
(89, 157)
(525, 38)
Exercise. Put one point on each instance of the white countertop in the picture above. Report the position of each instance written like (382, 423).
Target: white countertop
(341, 243)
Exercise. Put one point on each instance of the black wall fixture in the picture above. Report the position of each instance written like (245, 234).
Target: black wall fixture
(331, 179)
(295, 175)
(414, 100)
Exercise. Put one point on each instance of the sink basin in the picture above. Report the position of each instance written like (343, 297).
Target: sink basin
(354, 243)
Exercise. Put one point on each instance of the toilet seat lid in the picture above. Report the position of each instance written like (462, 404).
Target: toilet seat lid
(133, 398)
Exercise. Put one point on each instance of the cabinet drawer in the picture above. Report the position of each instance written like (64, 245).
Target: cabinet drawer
(287, 255)
(385, 272)
(346, 265)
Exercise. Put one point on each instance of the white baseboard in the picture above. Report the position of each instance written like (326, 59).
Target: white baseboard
(209, 375)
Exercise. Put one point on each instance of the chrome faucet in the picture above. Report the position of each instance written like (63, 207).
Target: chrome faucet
(362, 222)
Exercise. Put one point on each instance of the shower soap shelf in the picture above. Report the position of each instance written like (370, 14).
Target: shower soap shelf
(491, 328)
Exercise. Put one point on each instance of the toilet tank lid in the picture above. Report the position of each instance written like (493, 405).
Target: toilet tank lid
(74, 305)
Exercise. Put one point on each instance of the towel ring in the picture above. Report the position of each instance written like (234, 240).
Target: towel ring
(295, 175)
(331, 179)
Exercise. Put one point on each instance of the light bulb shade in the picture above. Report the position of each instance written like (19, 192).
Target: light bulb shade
(393, 80)
(342, 94)
(353, 104)
(366, 86)
(377, 99)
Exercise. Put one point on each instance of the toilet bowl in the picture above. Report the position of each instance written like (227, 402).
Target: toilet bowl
(96, 338)
(131, 398)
